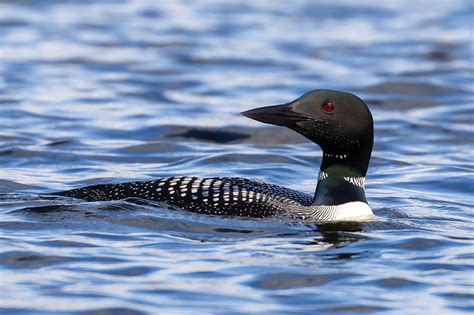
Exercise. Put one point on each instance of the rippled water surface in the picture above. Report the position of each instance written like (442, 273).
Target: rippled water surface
(109, 91)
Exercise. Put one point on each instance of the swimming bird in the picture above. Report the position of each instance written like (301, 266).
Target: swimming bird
(339, 122)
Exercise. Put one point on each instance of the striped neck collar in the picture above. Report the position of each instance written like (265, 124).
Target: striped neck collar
(338, 185)
(357, 181)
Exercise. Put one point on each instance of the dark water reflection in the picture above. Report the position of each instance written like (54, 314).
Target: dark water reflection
(103, 91)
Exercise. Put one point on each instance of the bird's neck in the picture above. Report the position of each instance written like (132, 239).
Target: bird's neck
(341, 180)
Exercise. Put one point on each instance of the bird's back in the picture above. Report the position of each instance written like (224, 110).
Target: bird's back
(215, 195)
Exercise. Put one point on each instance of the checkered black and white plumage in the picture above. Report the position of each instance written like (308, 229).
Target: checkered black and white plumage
(216, 195)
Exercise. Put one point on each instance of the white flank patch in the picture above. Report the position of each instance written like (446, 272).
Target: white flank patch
(351, 211)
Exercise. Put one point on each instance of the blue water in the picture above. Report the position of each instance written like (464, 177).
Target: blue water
(110, 91)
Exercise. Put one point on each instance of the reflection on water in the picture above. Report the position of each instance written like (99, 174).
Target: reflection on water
(101, 92)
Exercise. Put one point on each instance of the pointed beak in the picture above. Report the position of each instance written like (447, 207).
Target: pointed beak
(280, 115)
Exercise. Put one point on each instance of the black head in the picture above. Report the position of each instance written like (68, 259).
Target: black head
(340, 123)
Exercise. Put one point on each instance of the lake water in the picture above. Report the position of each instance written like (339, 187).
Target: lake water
(111, 91)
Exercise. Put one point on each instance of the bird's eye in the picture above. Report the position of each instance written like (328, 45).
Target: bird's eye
(327, 107)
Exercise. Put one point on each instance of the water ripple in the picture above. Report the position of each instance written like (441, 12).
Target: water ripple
(101, 92)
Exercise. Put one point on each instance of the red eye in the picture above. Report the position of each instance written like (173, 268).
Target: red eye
(327, 107)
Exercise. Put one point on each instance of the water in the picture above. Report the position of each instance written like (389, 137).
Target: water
(109, 91)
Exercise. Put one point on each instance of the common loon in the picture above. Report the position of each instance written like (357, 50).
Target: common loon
(340, 123)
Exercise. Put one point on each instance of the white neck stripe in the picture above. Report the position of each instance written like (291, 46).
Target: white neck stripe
(356, 181)
(322, 175)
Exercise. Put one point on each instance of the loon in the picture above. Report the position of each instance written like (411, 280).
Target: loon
(339, 122)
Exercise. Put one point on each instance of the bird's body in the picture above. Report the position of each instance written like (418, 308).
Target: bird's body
(340, 193)
(215, 195)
